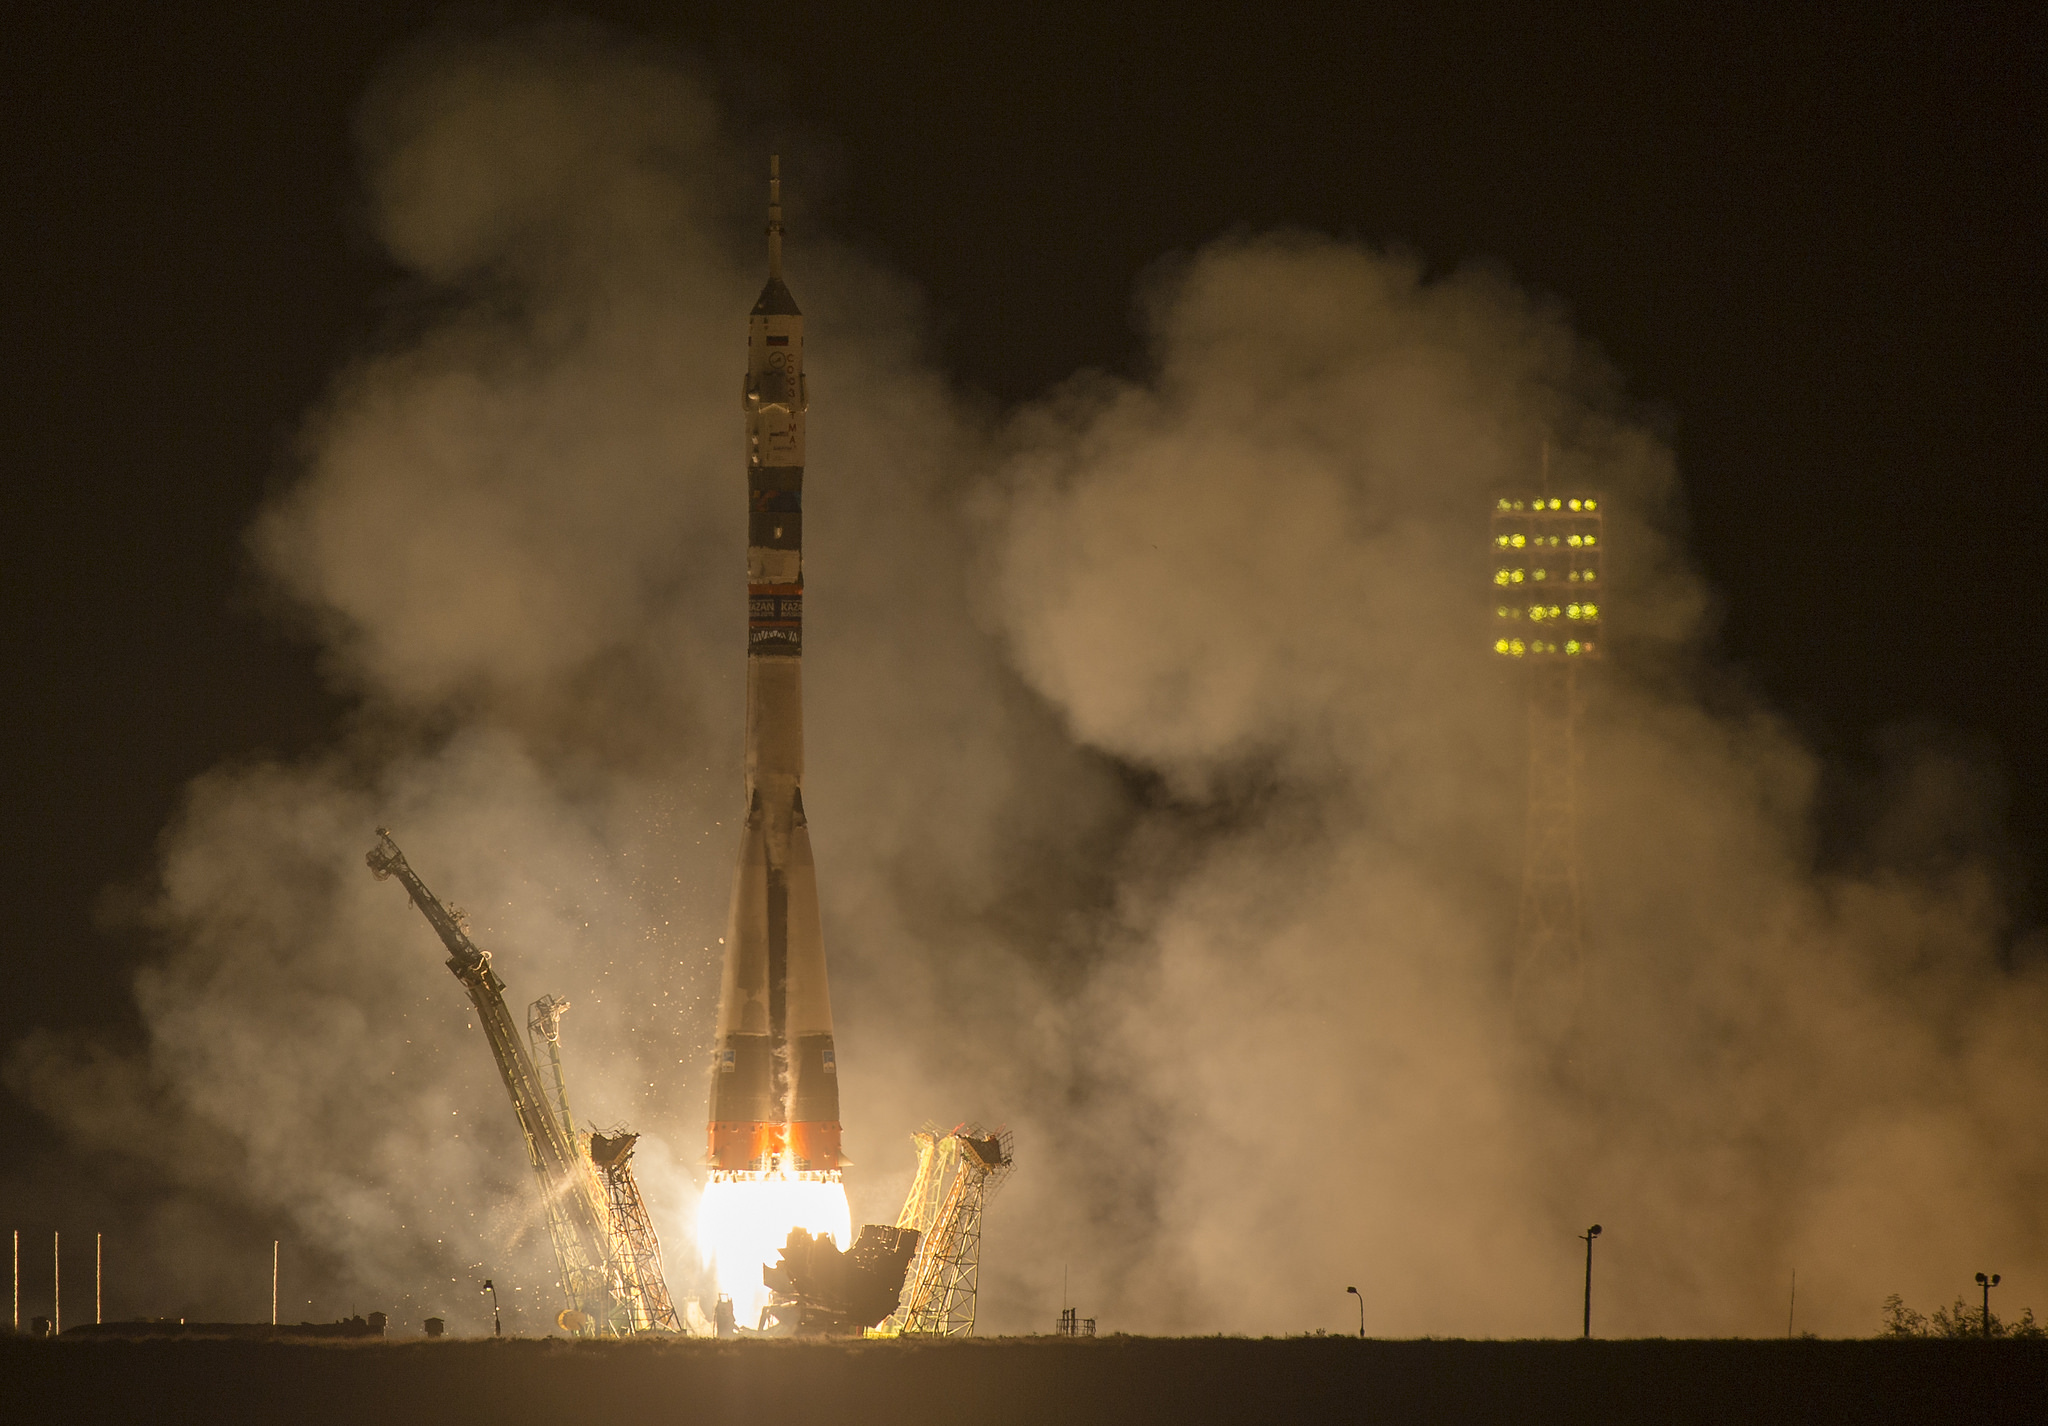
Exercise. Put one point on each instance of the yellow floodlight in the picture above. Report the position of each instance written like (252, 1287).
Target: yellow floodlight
(1568, 528)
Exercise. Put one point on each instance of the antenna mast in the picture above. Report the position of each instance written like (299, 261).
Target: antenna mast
(775, 215)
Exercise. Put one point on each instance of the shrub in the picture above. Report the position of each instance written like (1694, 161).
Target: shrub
(1963, 1319)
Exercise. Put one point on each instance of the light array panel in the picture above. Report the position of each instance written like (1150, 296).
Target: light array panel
(1548, 591)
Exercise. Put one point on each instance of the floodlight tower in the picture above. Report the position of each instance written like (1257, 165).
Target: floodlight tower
(1549, 595)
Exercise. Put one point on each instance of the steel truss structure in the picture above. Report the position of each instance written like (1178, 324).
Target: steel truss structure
(613, 1287)
(1549, 596)
(943, 1283)
(636, 1251)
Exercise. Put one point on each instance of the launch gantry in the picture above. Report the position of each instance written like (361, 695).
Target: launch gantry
(921, 1204)
(604, 1244)
(944, 1280)
(636, 1251)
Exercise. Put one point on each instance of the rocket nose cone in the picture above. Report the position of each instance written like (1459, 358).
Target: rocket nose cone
(775, 301)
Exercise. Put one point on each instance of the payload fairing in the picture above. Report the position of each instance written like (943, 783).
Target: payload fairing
(775, 1084)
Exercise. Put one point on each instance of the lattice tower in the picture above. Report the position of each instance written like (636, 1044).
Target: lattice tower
(636, 1297)
(636, 1251)
(945, 1276)
(1549, 613)
(607, 1283)
(921, 1205)
(544, 1035)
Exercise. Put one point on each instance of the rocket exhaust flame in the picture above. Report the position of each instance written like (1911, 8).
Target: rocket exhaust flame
(745, 1219)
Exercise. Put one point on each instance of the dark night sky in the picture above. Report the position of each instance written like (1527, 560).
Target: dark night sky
(1811, 241)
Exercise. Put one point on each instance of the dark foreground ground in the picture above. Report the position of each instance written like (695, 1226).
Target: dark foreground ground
(1112, 1379)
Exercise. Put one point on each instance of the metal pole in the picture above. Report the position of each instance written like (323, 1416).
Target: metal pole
(1792, 1305)
(1586, 1326)
(17, 1281)
(273, 1282)
(1586, 1329)
(56, 1283)
(97, 1316)
(1987, 1283)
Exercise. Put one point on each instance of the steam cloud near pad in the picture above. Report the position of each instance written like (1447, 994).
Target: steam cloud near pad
(1167, 803)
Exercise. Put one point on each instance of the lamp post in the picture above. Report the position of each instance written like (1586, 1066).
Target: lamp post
(1361, 1310)
(1586, 1329)
(497, 1323)
(1987, 1283)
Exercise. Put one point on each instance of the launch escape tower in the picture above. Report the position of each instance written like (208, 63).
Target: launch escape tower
(1547, 583)
(610, 1263)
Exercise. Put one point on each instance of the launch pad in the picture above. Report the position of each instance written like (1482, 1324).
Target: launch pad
(773, 1225)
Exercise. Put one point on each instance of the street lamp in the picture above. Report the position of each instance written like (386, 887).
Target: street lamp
(1361, 1310)
(497, 1323)
(1588, 1236)
(1987, 1283)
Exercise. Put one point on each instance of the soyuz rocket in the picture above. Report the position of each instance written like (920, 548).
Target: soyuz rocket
(775, 1082)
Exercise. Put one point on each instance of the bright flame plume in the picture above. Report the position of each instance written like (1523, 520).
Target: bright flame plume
(744, 1221)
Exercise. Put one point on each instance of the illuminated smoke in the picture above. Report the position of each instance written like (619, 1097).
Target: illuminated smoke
(1167, 801)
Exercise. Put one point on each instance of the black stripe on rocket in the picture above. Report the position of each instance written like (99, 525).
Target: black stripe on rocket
(775, 521)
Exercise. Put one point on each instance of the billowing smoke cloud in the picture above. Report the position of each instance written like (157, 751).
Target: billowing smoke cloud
(1253, 577)
(1167, 807)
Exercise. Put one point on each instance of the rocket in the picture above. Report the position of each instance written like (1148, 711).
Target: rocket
(775, 1083)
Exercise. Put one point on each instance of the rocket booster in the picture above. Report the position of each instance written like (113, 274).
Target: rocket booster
(775, 1084)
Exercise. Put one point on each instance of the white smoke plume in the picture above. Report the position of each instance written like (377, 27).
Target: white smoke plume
(1167, 805)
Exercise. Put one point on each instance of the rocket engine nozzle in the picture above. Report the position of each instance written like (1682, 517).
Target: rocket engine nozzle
(757, 1147)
